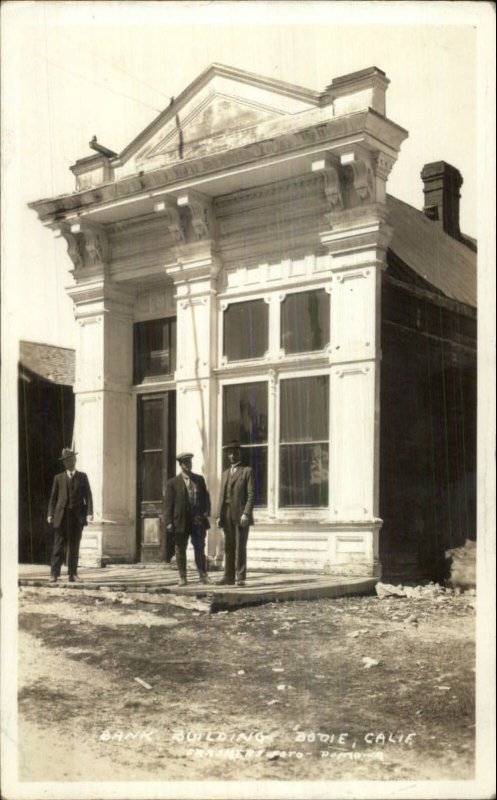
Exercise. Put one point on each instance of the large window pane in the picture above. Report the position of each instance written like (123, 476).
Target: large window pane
(304, 404)
(154, 349)
(246, 330)
(245, 418)
(245, 413)
(304, 434)
(304, 475)
(305, 321)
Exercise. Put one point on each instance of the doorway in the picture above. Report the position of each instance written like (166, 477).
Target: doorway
(156, 464)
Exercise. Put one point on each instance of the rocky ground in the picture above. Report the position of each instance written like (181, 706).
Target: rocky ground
(353, 688)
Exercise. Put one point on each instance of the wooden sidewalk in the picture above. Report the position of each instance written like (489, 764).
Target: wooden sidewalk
(261, 587)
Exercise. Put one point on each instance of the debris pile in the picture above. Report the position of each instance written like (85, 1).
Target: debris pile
(431, 590)
(463, 566)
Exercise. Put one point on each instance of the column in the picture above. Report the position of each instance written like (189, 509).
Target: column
(195, 277)
(105, 425)
(357, 240)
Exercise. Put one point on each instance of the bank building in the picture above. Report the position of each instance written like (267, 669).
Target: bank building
(241, 272)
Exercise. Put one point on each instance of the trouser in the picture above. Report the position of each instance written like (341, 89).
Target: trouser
(235, 550)
(67, 538)
(198, 541)
(168, 546)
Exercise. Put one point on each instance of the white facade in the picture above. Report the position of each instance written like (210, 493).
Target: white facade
(244, 189)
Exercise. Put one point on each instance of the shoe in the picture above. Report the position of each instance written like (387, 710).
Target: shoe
(52, 579)
(182, 582)
(204, 579)
(74, 579)
(240, 583)
(225, 582)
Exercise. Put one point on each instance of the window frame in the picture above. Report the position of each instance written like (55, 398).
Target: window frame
(326, 287)
(285, 513)
(226, 301)
(290, 511)
(165, 377)
(235, 381)
(273, 512)
(275, 353)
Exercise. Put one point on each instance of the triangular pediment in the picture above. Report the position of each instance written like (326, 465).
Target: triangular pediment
(214, 108)
(219, 114)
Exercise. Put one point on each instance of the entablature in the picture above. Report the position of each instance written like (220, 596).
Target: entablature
(284, 155)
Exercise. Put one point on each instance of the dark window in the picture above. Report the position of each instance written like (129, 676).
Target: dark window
(304, 441)
(152, 435)
(154, 349)
(305, 321)
(245, 419)
(246, 330)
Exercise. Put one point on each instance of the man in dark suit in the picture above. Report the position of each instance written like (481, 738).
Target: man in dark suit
(188, 507)
(69, 508)
(236, 503)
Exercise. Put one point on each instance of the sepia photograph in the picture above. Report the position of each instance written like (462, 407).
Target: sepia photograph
(248, 398)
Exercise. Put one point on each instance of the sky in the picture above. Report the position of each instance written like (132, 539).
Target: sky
(74, 70)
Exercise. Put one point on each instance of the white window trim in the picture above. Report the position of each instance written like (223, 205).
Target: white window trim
(274, 353)
(234, 381)
(282, 354)
(273, 513)
(222, 306)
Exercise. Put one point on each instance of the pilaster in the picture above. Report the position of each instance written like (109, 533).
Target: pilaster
(357, 239)
(195, 273)
(104, 420)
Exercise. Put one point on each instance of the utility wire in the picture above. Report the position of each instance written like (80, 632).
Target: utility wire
(120, 69)
(96, 83)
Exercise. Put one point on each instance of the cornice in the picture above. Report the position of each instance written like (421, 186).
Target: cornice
(332, 134)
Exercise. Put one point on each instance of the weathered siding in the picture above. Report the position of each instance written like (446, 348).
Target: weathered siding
(46, 419)
(428, 433)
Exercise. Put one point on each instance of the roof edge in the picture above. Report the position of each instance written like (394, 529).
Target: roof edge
(282, 87)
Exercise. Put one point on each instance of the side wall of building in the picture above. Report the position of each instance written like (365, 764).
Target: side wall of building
(46, 420)
(428, 432)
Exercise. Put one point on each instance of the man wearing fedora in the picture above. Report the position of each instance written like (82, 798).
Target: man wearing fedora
(69, 508)
(236, 503)
(188, 507)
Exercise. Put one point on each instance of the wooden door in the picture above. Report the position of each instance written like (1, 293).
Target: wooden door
(156, 464)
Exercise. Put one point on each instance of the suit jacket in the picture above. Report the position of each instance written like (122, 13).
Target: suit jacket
(242, 497)
(178, 512)
(58, 497)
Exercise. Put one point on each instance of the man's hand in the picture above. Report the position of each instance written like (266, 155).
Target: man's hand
(219, 523)
(169, 527)
(244, 521)
(49, 520)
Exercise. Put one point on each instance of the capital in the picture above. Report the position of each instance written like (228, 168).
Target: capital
(87, 245)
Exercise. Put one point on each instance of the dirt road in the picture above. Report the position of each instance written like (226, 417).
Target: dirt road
(352, 688)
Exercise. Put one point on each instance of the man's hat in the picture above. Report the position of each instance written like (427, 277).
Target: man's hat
(233, 445)
(67, 453)
(181, 456)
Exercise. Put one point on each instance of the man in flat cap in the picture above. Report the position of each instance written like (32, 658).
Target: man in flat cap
(69, 509)
(236, 503)
(188, 507)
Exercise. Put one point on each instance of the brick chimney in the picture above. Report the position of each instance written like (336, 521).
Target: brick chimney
(442, 183)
